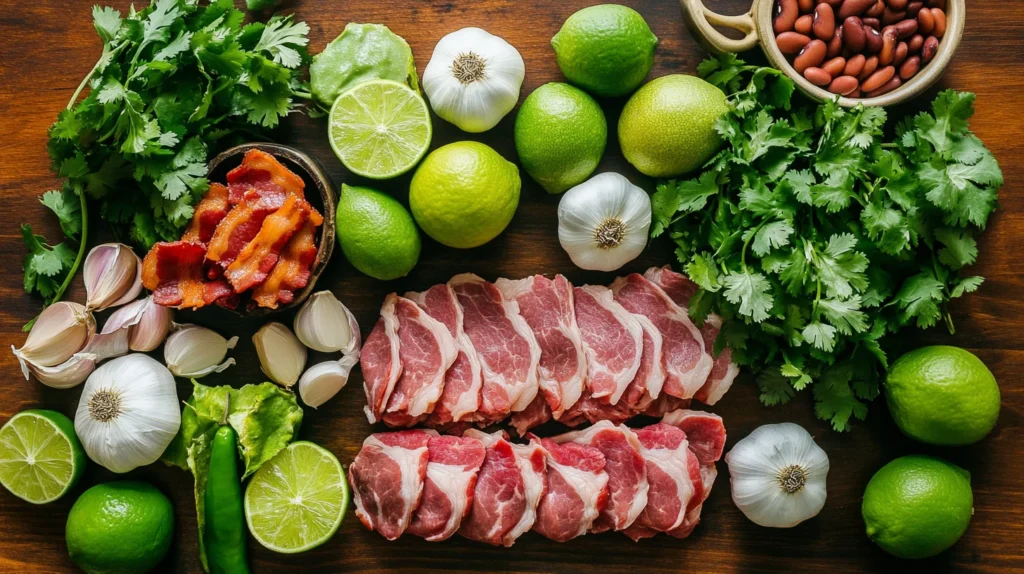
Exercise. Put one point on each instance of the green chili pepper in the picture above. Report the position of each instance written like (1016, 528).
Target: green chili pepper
(224, 533)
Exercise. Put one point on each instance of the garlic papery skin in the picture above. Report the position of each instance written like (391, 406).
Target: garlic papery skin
(777, 474)
(60, 331)
(322, 381)
(603, 222)
(113, 276)
(147, 323)
(128, 413)
(282, 355)
(473, 79)
(193, 352)
(324, 324)
(68, 374)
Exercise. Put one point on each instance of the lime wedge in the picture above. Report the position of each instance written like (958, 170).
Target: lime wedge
(379, 129)
(296, 501)
(40, 456)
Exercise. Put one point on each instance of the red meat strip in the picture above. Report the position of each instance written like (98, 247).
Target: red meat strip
(504, 343)
(255, 261)
(241, 225)
(448, 488)
(576, 490)
(260, 170)
(687, 365)
(387, 479)
(292, 271)
(426, 350)
(379, 361)
(669, 461)
(705, 432)
(209, 213)
(174, 273)
(613, 341)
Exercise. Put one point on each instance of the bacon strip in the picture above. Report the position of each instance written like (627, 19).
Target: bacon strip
(261, 170)
(257, 258)
(242, 224)
(292, 272)
(174, 273)
(209, 213)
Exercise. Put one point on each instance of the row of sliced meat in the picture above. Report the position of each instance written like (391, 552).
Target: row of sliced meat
(486, 488)
(474, 352)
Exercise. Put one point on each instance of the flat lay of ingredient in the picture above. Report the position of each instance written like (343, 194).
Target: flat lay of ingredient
(511, 286)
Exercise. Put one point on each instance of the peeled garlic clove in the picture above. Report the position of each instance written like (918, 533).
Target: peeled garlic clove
(282, 355)
(192, 351)
(59, 332)
(324, 324)
(322, 381)
(113, 276)
(147, 322)
(68, 374)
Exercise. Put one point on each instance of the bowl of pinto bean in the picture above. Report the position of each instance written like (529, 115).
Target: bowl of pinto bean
(871, 52)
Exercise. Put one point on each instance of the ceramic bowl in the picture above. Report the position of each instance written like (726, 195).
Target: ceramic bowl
(756, 27)
(320, 193)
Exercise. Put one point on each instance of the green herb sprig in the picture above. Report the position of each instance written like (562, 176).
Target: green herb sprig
(814, 236)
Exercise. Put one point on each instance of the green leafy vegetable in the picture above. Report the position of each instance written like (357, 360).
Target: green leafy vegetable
(175, 83)
(815, 236)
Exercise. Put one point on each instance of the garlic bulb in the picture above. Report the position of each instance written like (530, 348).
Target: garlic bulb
(113, 276)
(193, 352)
(324, 324)
(146, 322)
(322, 381)
(777, 475)
(128, 413)
(282, 356)
(473, 79)
(603, 222)
(59, 332)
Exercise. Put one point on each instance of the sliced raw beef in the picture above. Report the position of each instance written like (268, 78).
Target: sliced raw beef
(462, 382)
(504, 343)
(650, 377)
(723, 371)
(704, 431)
(448, 488)
(426, 350)
(576, 490)
(671, 490)
(665, 403)
(536, 414)
(505, 498)
(380, 361)
(387, 479)
(612, 339)
(547, 306)
(687, 365)
(626, 470)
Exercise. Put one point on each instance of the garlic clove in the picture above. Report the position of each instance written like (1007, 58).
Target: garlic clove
(108, 345)
(192, 351)
(603, 222)
(282, 355)
(59, 332)
(322, 381)
(324, 324)
(148, 323)
(68, 374)
(113, 276)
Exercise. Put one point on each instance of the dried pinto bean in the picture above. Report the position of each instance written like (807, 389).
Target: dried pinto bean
(786, 13)
(910, 68)
(824, 22)
(790, 43)
(878, 79)
(906, 28)
(854, 35)
(843, 85)
(888, 47)
(902, 51)
(835, 66)
(835, 46)
(925, 21)
(818, 76)
(940, 22)
(812, 55)
(804, 24)
(931, 46)
(889, 86)
(915, 43)
(854, 65)
(870, 65)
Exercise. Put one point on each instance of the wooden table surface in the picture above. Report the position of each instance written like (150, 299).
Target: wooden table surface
(47, 45)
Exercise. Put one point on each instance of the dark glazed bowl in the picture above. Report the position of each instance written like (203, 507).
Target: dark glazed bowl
(323, 199)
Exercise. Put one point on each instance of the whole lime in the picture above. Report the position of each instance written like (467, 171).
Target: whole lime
(668, 127)
(464, 194)
(606, 49)
(560, 136)
(917, 506)
(376, 233)
(942, 395)
(124, 526)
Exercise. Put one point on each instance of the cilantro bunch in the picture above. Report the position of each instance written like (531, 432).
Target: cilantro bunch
(174, 83)
(815, 236)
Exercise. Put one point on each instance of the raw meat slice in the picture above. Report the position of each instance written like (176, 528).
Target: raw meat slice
(666, 403)
(532, 462)
(671, 490)
(723, 371)
(650, 377)
(448, 488)
(538, 413)
(626, 470)
(380, 361)
(426, 350)
(576, 490)
(387, 479)
(547, 306)
(462, 382)
(504, 343)
(701, 490)
(704, 431)
(686, 363)
(612, 339)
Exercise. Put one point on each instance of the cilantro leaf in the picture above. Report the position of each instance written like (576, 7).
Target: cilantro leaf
(65, 205)
(960, 248)
(751, 291)
(282, 39)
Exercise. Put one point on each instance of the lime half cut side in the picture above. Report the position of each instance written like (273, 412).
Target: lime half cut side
(40, 456)
(380, 129)
(296, 501)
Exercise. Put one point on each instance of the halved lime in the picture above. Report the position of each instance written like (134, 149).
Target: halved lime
(296, 501)
(40, 456)
(379, 129)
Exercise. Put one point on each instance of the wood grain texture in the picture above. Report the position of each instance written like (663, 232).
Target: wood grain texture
(46, 46)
